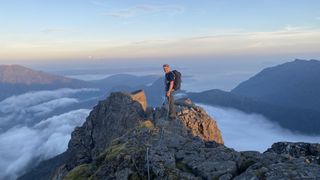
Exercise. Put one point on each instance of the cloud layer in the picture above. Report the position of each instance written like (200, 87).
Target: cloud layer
(243, 131)
(30, 131)
(286, 41)
(21, 146)
(25, 109)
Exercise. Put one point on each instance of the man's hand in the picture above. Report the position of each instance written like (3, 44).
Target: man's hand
(170, 88)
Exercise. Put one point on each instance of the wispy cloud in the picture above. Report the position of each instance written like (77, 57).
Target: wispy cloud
(145, 9)
(287, 40)
(284, 41)
(53, 30)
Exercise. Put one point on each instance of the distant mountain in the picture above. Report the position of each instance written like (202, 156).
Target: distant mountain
(301, 120)
(16, 79)
(127, 80)
(293, 84)
(17, 74)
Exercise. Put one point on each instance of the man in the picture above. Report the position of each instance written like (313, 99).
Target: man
(169, 83)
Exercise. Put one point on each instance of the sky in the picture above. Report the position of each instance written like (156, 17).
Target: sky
(106, 30)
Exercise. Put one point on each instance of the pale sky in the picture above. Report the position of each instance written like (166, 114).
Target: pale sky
(59, 30)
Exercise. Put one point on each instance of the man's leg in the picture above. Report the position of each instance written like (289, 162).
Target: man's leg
(172, 108)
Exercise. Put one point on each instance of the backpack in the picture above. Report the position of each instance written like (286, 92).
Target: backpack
(177, 80)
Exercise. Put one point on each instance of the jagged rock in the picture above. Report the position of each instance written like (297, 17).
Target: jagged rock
(200, 123)
(124, 139)
(284, 160)
(140, 97)
(184, 102)
(108, 120)
(311, 152)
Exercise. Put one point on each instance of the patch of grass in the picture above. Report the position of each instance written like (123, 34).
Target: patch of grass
(81, 172)
(183, 167)
(134, 176)
(113, 151)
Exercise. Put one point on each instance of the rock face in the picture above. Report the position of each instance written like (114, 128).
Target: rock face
(108, 120)
(122, 138)
(124, 122)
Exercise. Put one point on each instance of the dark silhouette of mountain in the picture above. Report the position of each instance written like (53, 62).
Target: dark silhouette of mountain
(301, 120)
(122, 138)
(293, 84)
(16, 79)
(16, 74)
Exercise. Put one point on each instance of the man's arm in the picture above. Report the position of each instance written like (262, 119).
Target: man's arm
(170, 88)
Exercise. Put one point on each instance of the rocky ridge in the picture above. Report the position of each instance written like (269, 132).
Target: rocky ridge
(122, 138)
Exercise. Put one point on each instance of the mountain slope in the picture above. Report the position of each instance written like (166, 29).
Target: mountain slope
(16, 79)
(305, 121)
(16, 74)
(122, 138)
(292, 84)
(125, 79)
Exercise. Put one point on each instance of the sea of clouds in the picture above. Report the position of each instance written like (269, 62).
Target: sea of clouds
(243, 131)
(24, 144)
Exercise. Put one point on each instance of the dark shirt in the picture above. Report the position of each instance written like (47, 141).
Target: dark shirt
(169, 78)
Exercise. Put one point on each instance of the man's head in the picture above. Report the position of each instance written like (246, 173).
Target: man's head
(166, 68)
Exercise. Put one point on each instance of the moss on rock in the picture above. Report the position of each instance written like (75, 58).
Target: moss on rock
(81, 172)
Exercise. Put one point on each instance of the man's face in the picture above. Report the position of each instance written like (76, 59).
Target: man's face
(166, 69)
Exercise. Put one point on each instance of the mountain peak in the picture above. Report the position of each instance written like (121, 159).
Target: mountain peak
(17, 74)
(293, 84)
(306, 61)
(126, 118)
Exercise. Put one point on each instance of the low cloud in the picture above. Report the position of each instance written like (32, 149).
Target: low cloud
(243, 131)
(13, 103)
(25, 109)
(21, 146)
(30, 131)
(48, 107)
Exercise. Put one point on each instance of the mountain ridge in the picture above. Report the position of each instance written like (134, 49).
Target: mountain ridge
(292, 84)
(17, 74)
(17, 79)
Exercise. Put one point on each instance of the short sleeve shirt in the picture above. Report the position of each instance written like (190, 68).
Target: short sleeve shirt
(169, 78)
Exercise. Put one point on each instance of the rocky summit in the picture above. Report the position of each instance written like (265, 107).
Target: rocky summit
(123, 138)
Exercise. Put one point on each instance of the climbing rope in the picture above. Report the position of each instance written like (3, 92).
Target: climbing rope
(148, 163)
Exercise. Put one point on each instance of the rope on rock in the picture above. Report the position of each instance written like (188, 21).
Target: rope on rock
(148, 163)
